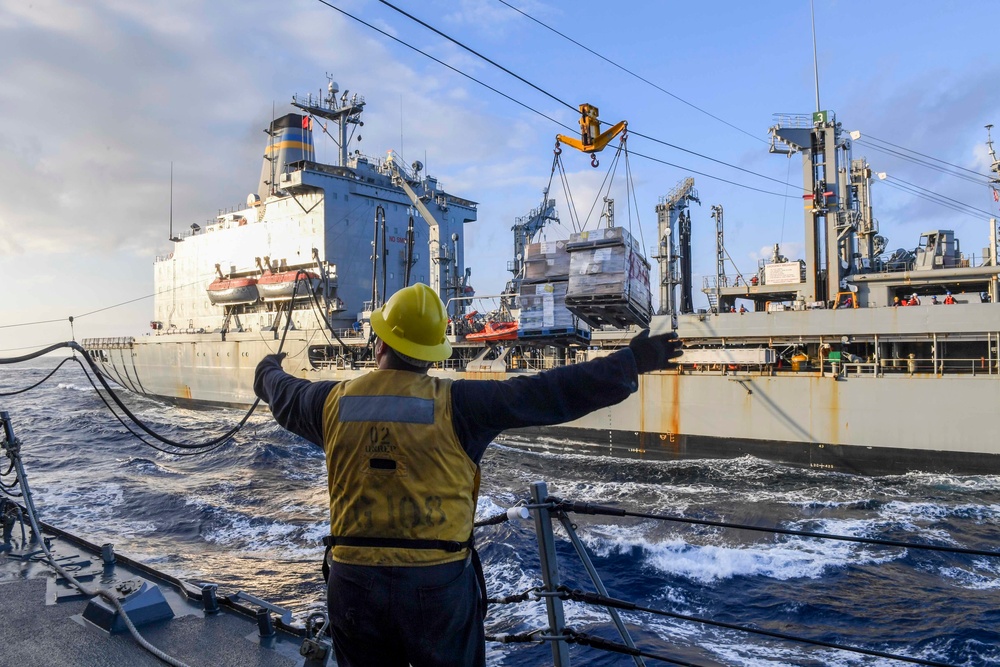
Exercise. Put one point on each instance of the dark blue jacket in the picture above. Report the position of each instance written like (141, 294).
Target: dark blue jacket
(481, 409)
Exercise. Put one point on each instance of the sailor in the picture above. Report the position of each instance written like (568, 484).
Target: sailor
(948, 298)
(402, 452)
(896, 301)
(914, 301)
(934, 300)
(742, 309)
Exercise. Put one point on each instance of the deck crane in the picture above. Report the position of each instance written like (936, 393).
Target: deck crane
(444, 277)
(525, 230)
(674, 223)
(592, 140)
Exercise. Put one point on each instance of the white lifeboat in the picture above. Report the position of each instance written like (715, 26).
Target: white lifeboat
(232, 291)
(279, 286)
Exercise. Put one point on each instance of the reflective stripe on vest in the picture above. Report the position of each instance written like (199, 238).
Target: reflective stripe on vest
(399, 479)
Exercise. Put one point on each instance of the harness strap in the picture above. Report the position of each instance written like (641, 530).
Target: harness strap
(331, 541)
(450, 546)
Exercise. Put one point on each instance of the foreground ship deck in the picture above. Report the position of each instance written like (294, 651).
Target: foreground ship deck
(42, 618)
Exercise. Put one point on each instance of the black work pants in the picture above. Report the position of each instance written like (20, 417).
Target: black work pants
(398, 616)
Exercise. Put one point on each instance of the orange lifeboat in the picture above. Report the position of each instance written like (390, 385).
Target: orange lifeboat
(232, 291)
(494, 331)
(279, 286)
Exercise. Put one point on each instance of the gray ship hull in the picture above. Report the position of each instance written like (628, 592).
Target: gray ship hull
(866, 418)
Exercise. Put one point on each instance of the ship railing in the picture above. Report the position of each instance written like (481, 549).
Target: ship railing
(116, 343)
(792, 119)
(914, 366)
(556, 589)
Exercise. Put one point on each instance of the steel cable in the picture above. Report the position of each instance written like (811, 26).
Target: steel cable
(604, 601)
(589, 508)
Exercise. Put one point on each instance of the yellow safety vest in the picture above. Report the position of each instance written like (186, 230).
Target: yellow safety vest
(402, 490)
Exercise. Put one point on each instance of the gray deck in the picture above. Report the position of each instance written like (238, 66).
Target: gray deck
(37, 630)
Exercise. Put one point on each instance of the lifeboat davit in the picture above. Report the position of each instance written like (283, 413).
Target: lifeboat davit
(495, 331)
(279, 286)
(232, 291)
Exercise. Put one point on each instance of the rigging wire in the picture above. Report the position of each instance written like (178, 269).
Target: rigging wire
(923, 163)
(533, 110)
(73, 345)
(453, 69)
(566, 104)
(710, 159)
(939, 195)
(630, 72)
(921, 195)
(714, 178)
(630, 185)
(195, 448)
(557, 99)
(101, 310)
(929, 157)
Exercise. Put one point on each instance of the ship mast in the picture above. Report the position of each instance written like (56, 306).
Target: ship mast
(994, 230)
(343, 112)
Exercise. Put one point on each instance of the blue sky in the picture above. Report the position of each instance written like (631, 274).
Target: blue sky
(98, 98)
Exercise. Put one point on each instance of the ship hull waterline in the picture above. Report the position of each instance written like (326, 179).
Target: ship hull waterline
(858, 424)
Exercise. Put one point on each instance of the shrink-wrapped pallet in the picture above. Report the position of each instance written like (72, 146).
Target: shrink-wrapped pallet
(609, 279)
(543, 306)
(546, 261)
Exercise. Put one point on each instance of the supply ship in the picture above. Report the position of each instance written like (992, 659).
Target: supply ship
(804, 361)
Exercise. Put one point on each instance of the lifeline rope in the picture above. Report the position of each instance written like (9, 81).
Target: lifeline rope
(590, 508)
(604, 601)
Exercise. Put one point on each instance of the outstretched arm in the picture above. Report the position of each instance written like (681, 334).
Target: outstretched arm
(484, 409)
(296, 404)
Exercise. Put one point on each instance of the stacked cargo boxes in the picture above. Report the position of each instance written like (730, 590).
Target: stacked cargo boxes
(543, 294)
(608, 279)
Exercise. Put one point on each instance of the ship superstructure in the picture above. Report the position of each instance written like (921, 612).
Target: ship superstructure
(360, 229)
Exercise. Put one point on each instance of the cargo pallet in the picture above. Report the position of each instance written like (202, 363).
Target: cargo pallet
(561, 334)
(608, 309)
(556, 278)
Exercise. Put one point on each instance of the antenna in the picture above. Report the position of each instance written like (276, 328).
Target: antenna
(812, 10)
(271, 189)
(171, 230)
(989, 144)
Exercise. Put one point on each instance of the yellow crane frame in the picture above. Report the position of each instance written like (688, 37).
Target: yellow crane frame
(591, 138)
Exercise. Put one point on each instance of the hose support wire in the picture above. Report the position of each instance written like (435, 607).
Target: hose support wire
(187, 448)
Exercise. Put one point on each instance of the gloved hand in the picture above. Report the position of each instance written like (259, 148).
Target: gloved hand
(279, 357)
(653, 353)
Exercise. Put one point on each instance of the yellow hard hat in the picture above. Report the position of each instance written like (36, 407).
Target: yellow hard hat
(413, 322)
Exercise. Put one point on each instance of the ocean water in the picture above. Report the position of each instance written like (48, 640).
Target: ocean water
(250, 516)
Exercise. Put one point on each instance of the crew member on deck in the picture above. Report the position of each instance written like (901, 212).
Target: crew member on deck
(949, 299)
(402, 452)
